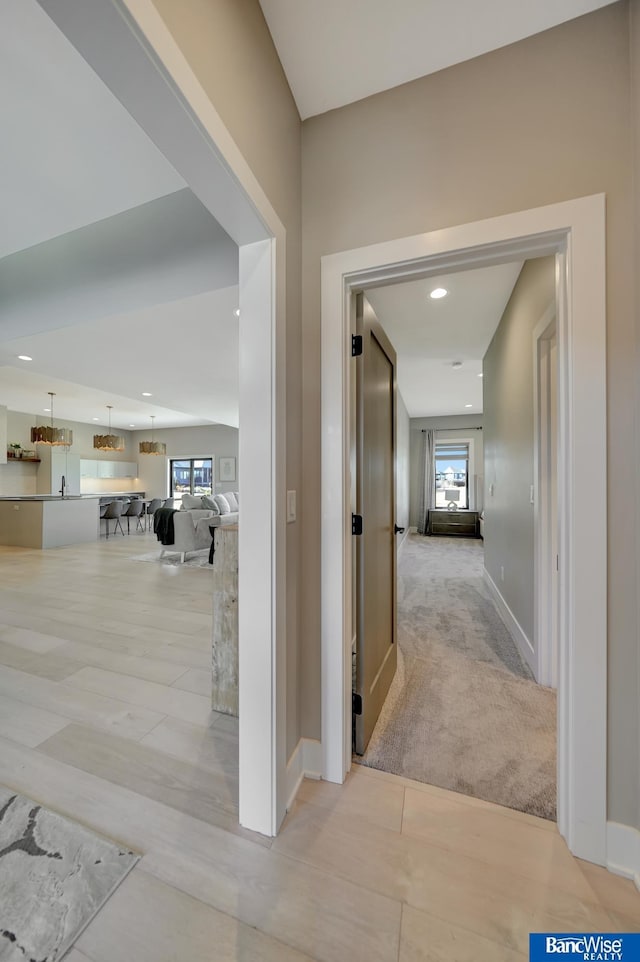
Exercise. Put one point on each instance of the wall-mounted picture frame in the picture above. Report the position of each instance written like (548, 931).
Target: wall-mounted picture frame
(227, 469)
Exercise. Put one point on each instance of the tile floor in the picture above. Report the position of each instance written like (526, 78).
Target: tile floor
(104, 717)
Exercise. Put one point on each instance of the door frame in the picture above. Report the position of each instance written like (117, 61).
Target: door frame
(573, 231)
(544, 656)
(129, 47)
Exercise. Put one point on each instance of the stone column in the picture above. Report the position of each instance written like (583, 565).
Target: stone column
(224, 691)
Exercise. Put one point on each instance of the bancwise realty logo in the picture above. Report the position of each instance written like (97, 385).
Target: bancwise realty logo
(588, 947)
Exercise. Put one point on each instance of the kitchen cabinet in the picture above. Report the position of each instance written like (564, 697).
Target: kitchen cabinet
(55, 463)
(88, 469)
(108, 469)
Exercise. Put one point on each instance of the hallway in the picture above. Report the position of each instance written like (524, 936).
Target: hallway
(463, 712)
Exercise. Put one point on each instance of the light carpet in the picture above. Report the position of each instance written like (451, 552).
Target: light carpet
(197, 559)
(463, 711)
(54, 876)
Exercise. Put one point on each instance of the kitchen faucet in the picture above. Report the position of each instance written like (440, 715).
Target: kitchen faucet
(64, 484)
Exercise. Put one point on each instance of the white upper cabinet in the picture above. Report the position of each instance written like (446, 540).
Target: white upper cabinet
(108, 469)
(88, 469)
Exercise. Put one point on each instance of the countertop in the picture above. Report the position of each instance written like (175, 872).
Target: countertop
(48, 497)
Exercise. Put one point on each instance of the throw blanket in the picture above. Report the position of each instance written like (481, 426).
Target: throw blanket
(163, 525)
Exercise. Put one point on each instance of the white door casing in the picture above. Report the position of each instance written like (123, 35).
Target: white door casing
(574, 231)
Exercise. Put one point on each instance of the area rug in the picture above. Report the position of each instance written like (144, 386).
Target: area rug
(199, 559)
(463, 712)
(54, 876)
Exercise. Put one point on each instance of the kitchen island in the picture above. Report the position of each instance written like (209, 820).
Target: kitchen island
(49, 521)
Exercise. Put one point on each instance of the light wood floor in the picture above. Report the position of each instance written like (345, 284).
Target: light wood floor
(104, 717)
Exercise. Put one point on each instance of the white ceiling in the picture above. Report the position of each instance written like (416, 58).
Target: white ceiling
(75, 169)
(335, 52)
(71, 154)
(185, 353)
(429, 335)
(114, 278)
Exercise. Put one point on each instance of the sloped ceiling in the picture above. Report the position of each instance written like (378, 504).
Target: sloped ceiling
(337, 51)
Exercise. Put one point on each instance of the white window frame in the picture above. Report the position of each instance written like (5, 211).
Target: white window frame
(449, 439)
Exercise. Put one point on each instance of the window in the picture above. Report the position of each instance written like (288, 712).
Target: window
(190, 476)
(452, 474)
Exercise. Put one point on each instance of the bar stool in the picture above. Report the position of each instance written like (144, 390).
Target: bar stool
(152, 507)
(113, 513)
(134, 510)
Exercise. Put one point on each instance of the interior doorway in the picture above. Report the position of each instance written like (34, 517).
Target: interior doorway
(464, 711)
(129, 48)
(579, 252)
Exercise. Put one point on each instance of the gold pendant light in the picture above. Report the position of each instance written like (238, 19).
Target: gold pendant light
(47, 434)
(152, 447)
(108, 442)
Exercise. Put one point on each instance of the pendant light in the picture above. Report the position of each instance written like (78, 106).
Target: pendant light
(152, 447)
(47, 434)
(108, 442)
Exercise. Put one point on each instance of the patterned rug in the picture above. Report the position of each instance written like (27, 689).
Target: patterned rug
(195, 559)
(54, 876)
(463, 711)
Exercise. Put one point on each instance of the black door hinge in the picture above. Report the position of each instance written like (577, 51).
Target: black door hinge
(356, 524)
(356, 703)
(356, 345)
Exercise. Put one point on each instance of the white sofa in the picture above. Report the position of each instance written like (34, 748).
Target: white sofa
(192, 526)
(222, 506)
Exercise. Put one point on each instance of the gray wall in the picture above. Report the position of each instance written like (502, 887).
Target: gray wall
(211, 440)
(16, 478)
(228, 46)
(533, 123)
(207, 441)
(402, 464)
(457, 425)
(616, 710)
(507, 389)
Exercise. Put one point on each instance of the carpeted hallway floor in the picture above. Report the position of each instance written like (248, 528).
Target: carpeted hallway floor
(463, 711)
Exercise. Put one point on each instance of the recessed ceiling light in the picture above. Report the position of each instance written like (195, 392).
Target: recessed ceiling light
(438, 292)
(237, 312)
(146, 394)
(480, 374)
(456, 364)
(24, 357)
(95, 419)
(468, 405)
(47, 410)
(132, 425)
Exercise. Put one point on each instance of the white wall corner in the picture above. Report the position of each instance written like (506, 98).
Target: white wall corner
(305, 762)
(512, 624)
(623, 851)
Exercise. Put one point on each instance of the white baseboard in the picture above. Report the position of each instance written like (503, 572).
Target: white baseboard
(623, 851)
(407, 532)
(306, 762)
(513, 625)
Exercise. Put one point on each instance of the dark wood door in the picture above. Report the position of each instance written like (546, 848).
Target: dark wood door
(376, 649)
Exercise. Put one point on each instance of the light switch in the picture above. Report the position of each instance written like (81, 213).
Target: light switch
(291, 506)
